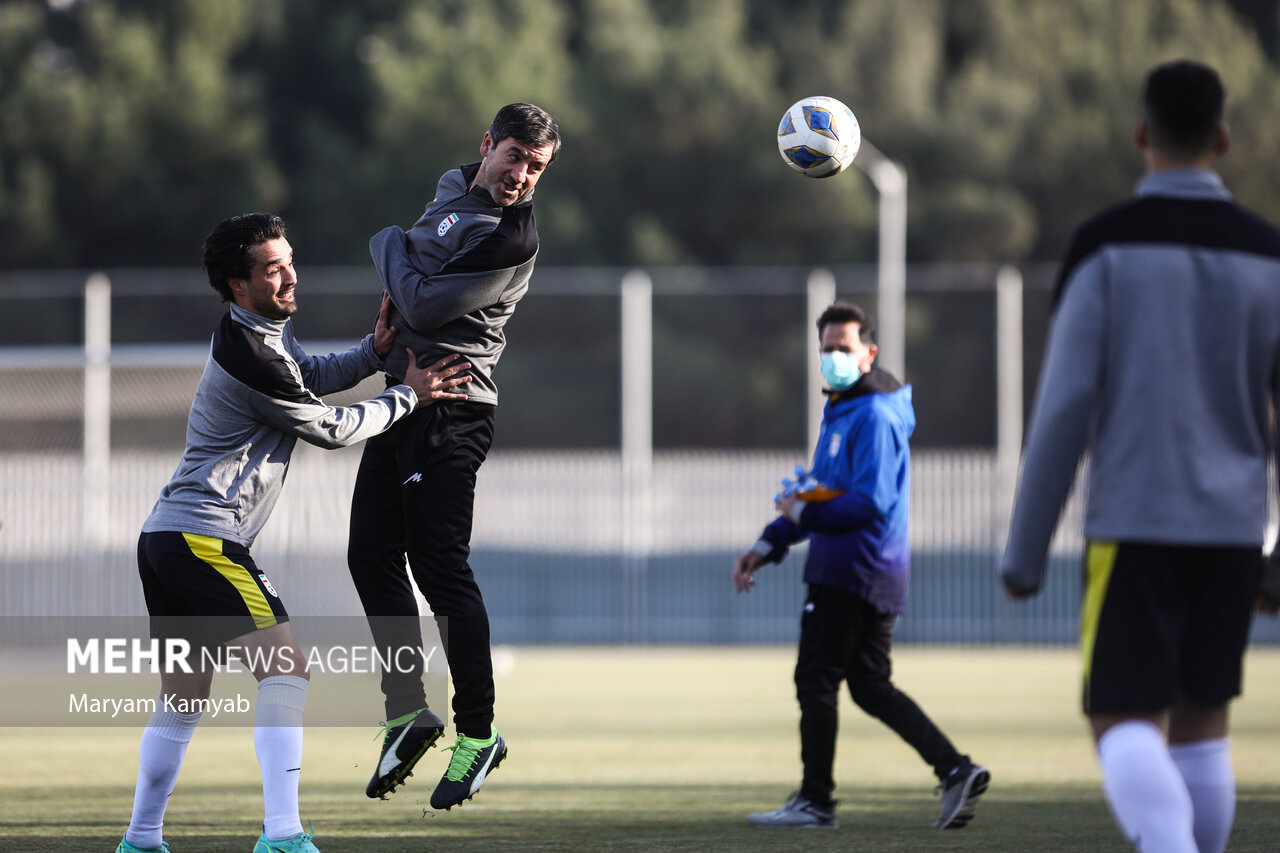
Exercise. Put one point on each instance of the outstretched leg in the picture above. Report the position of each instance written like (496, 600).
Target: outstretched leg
(376, 559)
(452, 444)
(870, 670)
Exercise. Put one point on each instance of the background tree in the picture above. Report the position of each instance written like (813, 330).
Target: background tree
(126, 126)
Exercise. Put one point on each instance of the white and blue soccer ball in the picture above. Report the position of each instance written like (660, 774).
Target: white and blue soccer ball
(819, 137)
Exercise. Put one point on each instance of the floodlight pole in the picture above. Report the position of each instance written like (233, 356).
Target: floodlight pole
(890, 180)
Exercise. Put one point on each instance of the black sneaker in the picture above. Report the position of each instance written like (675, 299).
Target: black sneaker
(404, 740)
(472, 761)
(960, 792)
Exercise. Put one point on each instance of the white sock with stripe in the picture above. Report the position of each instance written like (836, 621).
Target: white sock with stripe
(1145, 790)
(1206, 768)
(164, 745)
(277, 739)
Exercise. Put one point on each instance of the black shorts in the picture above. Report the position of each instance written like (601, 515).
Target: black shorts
(203, 589)
(1161, 624)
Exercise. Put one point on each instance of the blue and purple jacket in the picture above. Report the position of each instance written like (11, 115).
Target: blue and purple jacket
(858, 541)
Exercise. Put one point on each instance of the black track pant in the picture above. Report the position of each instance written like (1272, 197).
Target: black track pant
(842, 637)
(414, 496)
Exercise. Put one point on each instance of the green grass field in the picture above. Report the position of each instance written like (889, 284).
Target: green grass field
(650, 750)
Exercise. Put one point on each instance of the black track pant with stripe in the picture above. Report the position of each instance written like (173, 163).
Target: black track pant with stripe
(414, 496)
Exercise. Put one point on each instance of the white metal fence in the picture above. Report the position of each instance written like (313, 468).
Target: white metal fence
(567, 546)
(626, 544)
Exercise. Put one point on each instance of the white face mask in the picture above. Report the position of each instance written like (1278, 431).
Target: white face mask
(840, 369)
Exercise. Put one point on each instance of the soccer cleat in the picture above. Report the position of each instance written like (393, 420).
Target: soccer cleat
(126, 847)
(472, 761)
(404, 740)
(300, 843)
(961, 791)
(798, 812)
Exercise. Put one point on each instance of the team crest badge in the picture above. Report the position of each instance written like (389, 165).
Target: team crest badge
(834, 448)
(267, 584)
(447, 223)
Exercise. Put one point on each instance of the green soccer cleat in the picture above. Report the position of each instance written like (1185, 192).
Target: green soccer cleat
(126, 847)
(300, 843)
(472, 761)
(405, 740)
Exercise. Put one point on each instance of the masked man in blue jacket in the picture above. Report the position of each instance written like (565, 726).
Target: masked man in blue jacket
(855, 518)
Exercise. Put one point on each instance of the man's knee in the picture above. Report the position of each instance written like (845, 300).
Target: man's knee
(270, 652)
(1194, 723)
(364, 554)
(817, 682)
(873, 695)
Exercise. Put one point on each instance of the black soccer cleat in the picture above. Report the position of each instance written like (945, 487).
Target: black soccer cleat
(404, 741)
(472, 761)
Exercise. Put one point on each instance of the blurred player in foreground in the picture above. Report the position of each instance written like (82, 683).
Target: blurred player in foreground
(259, 394)
(1163, 361)
(455, 279)
(857, 572)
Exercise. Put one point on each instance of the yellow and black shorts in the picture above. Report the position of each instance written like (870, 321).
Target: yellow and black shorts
(1163, 624)
(204, 589)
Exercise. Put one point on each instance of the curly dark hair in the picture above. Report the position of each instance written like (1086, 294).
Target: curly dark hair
(228, 250)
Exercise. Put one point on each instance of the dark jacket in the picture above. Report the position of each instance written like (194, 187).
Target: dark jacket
(455, 278)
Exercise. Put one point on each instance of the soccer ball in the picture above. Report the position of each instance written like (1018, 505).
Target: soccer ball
(819, 137)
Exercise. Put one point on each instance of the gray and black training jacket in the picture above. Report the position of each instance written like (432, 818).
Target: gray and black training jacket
(1163, 360)
(259, 394)
(455, 278)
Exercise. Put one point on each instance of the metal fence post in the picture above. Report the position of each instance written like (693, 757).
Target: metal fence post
(97, 416)
(821, 292)
(1008, 382)
(1008, 426)
(637, 448)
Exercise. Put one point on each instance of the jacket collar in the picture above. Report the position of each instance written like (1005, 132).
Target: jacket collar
(1199, 184)
(256, 321)
(877, 381)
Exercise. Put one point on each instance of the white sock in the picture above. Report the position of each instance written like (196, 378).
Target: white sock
(277, 738)
(1144, 789)
(1206, 768)
(160, 754)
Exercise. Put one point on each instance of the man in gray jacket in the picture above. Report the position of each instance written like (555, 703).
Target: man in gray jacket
(1164, 361)
(259, 394)
(454, 279)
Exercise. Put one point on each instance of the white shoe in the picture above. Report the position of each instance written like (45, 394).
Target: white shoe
(798, 812)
